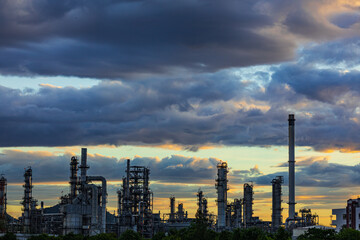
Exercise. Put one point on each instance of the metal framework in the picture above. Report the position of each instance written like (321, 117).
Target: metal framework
(202, 203)
(135, 201)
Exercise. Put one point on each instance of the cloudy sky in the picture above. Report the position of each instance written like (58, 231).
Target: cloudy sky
(177, 86)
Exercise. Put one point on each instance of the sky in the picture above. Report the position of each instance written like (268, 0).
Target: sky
(178, 86)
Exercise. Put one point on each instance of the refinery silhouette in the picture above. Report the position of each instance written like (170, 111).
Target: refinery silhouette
(83, 210)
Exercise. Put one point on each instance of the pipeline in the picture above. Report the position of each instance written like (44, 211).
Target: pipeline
(103, 201)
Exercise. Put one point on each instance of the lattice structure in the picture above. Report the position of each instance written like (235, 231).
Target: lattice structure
(136, 201)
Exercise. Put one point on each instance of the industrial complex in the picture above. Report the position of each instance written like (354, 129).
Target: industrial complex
(83, 209)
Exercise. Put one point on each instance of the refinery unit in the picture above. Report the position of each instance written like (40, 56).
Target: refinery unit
(83, 209)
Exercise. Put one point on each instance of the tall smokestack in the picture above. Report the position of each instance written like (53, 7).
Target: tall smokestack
(291, 166)
(83, 166)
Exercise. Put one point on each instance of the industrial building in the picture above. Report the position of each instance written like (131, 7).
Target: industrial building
(83, 209)
(348, 217)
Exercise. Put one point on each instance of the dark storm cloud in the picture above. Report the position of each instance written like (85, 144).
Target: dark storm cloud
(112, 39)
(48, 167)
(228, 107)
(188, 112)
(206, 109)
(312, 173)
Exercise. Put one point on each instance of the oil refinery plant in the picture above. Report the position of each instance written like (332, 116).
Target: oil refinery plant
(83, 209)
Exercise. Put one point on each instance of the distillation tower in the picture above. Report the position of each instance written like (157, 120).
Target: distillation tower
(276, 202)
(221, 186)
(248, 204)
(237, 213)
(27, 200)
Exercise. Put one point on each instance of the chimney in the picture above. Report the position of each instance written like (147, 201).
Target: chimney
(83, 166)
(291, 166)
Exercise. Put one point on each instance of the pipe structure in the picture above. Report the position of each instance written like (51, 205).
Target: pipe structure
(27, 200)
(103, 200)
(73, 177)
(221, 186)
(291, 167)
(276, 202)
(3, 184)
(94, 207)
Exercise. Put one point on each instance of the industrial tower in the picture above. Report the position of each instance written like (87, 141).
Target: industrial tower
(248, 204)
(276, 202)
(291, 167)
(221, 186)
